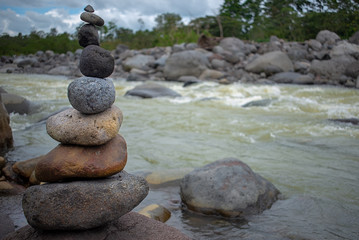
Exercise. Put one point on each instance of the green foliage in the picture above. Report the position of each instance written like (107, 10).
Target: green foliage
(257, 20)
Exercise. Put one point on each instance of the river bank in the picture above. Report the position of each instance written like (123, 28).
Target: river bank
(325, 60)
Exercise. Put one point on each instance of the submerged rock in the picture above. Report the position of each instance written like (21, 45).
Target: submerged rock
(152, 90)
(81, 205)
(131, 226)
(227, 187)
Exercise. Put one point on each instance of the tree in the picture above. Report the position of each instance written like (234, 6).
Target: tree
(168, 22)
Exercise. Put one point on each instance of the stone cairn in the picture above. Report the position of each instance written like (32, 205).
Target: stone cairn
(86, 186)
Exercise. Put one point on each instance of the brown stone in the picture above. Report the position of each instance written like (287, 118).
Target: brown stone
(72, 127)
(6, 139)
(25, 168)
(9, 188)
(74, 161)
(33, 180)
(132, 226)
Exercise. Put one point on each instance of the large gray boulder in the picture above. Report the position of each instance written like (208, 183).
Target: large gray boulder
(185, 63)
(82, 205)
(345, 48)
(270, 63)
(139, 61)
(327, 37)
(151, 90)
(332, 68)
(227, 187)
(17, 104)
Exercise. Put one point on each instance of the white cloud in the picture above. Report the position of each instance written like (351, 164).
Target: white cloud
(64, 15)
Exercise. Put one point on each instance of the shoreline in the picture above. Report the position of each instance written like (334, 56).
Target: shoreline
(326, 60)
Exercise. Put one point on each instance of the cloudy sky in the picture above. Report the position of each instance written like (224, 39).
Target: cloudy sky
(64, 15)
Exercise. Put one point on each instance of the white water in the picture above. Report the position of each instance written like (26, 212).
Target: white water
(290, 141)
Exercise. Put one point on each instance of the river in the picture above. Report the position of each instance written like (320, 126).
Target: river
(288, 139)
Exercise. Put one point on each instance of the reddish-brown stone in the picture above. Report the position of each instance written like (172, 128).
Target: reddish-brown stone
(74, 161)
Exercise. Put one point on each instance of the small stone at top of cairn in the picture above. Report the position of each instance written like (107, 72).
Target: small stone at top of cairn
(89, 8)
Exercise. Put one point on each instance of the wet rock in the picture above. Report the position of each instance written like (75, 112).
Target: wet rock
(168, 177)
(92, 18)
(96, 62)
(292, 77)
(25, 168)
(81, 205)
(88, 35)
(33, 180)
(91, 95)
(156, 212)
(354, 121)
(227, 187)
(258, 103)
(185, 63)
(2, 162)
(17, 104)
(72, 127)
(9, 173)
(270, 63)
(151, 90)
(6, 138)
(131, 226)
(74, 161)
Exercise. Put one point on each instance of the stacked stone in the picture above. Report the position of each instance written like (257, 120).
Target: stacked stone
(86, 185)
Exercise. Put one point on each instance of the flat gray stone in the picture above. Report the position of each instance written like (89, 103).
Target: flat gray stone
(81, 205)
(89, 8)
(91, 95)
(96, 62)
(92, 18)
(132, 226)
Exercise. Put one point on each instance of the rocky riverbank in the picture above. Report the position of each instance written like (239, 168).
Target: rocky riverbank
(327, 59)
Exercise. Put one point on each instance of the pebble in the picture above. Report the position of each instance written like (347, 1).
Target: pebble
(96, 62)
(72, 127)
(25, 168)
(74, 161)
(89, 8)
(81, 205)
(88, 35)
(91, 95)
(92, 18)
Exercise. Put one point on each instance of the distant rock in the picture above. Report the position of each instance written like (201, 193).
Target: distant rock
(258, 103)
(354, 121)
(270, 63)
(227, 187)
(185, 63)
(327, 37)
(152, 90)
(292, 77)
(139, 61)
(82, 204)
(17, 104)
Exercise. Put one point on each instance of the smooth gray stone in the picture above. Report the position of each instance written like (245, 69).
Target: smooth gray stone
(81, 205)
(152, 90)
(92, 18)
(96, 62)
(91, 95)
(227, 187)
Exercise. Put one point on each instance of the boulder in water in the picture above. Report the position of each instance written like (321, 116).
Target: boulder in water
(227, 187)
(151, 90)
